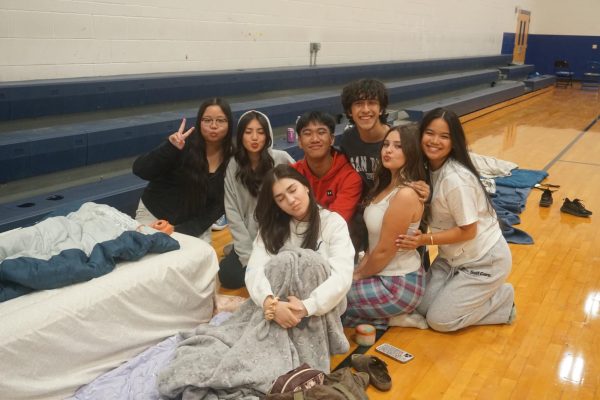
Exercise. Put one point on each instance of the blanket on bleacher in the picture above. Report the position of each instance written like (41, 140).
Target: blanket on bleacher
(63, 250)
(241, 358)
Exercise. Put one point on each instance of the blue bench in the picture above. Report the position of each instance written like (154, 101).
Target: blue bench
(37, 151)
(65, 96)
(516, 72)
(539, 82)
(122, 192)
(467, 103)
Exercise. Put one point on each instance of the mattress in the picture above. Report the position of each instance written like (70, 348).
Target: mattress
(53, 341)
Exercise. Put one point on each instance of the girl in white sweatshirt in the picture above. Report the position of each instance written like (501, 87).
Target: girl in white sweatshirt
(288, 214)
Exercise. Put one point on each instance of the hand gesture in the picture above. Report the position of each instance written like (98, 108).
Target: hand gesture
(285, 314)
(178, 138)
(422, 189)
(298, 307)
(409, 242)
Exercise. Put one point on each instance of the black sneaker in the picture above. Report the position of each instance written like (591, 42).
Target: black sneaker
(575, 207)
(579, 204)
(546, 199)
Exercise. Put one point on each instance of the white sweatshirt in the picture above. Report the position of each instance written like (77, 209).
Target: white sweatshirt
(334, 245)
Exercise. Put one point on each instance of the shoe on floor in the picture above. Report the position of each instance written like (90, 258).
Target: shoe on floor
(376, 368)
(546, 199)
(575, 208)
(220, 224)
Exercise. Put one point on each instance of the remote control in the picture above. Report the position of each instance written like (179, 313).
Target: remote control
(394, 352)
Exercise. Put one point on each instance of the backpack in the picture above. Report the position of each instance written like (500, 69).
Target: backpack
(302, 377)
(339, 385)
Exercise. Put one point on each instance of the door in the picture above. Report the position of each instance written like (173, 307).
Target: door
(521, 37)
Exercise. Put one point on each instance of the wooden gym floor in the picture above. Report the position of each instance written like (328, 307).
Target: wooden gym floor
(552, 351)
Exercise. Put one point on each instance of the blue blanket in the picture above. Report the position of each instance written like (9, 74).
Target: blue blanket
(63, 250)
(510, 199)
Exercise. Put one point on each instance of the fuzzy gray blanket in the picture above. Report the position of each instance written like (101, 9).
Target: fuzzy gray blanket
(241, 358)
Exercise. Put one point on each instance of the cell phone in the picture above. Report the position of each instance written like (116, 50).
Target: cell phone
(394, 352)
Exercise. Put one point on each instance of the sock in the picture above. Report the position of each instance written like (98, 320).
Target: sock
(412, 320)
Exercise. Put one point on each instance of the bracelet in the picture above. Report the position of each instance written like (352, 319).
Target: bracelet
(431, 238)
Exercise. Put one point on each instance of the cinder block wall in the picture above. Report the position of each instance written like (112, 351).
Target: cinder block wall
(42, 39)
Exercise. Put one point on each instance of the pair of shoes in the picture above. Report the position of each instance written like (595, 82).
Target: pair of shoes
(376, 368)
(220, 224)
(575, 207)
(412, 320)
(546, 199)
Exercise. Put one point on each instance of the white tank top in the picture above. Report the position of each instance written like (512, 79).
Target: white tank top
(405, 261)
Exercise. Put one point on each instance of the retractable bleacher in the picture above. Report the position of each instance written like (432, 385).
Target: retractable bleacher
(77, 130)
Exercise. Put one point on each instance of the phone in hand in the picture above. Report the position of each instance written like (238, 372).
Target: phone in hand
(394, 352)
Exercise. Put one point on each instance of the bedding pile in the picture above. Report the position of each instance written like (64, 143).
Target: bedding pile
(63, 250)
(240, 358)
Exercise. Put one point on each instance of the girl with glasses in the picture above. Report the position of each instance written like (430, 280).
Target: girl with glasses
(186, 173)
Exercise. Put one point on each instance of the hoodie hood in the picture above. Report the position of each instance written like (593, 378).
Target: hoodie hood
(268, 124)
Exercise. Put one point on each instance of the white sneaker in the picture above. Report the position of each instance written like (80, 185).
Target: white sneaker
(220, 224)
(412, 320)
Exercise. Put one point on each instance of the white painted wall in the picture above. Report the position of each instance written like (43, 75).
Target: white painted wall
(42, 39)
(573, 17)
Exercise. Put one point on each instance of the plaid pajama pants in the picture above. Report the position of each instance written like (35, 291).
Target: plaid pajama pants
(375, 299)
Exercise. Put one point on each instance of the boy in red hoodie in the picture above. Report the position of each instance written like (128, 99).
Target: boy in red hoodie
(335, 184)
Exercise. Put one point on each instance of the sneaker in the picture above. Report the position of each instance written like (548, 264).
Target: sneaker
(546, 199)
(220, 224)
(575, 208)
(579, 204)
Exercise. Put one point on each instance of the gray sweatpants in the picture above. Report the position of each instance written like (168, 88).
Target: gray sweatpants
(471, 294)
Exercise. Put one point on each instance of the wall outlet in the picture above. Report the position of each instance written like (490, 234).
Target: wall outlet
(595, 47)
(314, 47)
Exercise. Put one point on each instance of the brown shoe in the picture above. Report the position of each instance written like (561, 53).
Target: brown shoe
(376, 368)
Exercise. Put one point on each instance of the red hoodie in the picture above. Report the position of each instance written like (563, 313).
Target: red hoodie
(339, 190)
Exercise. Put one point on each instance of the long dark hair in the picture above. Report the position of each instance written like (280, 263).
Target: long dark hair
(458, 143)
(413, 169)
(195, 164)
(274, 223)
(252, 179)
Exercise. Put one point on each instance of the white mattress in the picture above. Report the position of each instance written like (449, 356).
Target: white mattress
(53, 341)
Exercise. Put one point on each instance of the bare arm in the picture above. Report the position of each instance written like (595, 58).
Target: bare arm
(453, 235)
(403, 208)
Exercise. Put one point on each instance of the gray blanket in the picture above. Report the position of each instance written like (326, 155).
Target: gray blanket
(241, 358)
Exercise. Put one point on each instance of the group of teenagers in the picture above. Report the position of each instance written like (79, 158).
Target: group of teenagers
(369, 209)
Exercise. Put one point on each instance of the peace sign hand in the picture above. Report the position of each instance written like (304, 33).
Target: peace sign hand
(178, 138)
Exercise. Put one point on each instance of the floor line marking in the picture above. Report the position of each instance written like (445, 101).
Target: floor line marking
(571, 144)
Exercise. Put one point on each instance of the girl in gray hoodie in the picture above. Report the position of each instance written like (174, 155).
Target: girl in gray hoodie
(253, 158)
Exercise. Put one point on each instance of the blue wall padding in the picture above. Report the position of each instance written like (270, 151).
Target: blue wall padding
(543, 50)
